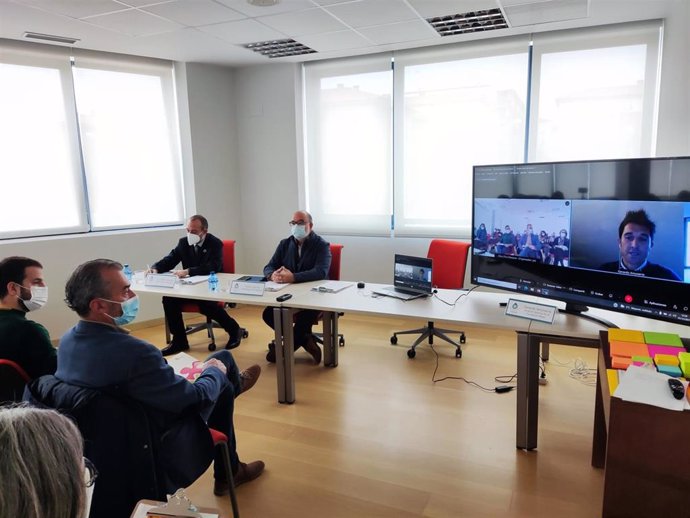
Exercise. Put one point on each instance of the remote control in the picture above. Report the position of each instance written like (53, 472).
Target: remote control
(677, 388)
(284, 297)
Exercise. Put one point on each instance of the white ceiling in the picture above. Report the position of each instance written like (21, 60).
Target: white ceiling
(213, 31)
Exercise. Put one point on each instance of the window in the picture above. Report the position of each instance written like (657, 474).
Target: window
(348, 147)
(593, 94)
(115, 115)
(454, 108)
(595, 97)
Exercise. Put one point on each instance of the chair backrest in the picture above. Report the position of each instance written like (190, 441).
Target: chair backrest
(12, 381)
(334, 270)
(450, 261)
(228, 256)
(122, 439)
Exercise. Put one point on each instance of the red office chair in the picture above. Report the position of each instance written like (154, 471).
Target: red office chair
(220, 440)
(193, 307)
(449, 263)
(13, 379)
(333, 275)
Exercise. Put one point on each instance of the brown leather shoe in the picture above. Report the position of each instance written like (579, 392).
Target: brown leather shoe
(313, 348)
(248, 472)
(220, 487)
(249, 376)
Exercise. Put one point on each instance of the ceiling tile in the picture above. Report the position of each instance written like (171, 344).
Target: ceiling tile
(339, 40)
(431, 8)
(76, 8)
(195, 12)
(244, 31)
(333, 2)
(400, 32)
(134, 23)
(311, 21)
(281, 7)
(545, 12)
(373, 12)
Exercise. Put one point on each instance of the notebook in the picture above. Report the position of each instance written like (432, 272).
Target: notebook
(411, 278)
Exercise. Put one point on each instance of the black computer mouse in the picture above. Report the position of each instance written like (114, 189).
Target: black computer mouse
(677, 388)
(360, 285)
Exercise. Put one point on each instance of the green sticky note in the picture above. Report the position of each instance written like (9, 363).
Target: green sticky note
(671, 339)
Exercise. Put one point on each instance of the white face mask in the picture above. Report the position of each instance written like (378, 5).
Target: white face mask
(39, 298)
(192, 239)
(299, 231)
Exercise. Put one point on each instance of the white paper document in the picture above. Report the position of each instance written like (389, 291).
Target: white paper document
(185, 365)
(332, 286)
(276, 286)
(644, 385)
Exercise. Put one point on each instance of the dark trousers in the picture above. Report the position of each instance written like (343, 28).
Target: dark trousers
(219, 415)
(172, 307)
(304, 320)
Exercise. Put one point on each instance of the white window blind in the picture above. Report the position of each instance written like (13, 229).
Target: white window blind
(39, 151)
(454, 107)
(129, 140)
(348, 145)
(594, 92)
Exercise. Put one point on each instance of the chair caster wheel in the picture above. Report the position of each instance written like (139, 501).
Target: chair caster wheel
(462, 338)
(394, 340)
(245, 333)
(411, 353)
(458, 353)
(212, 347)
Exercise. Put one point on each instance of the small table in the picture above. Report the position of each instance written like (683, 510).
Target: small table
(644, 450)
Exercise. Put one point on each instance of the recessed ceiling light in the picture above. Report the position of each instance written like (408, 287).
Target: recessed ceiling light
(50, 37)
(474, 21)
(279, 48)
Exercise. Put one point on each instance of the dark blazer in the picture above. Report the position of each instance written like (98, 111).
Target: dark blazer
(311, 265)
(208, 259)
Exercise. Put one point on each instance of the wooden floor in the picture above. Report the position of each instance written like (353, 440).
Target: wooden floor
(375, 437)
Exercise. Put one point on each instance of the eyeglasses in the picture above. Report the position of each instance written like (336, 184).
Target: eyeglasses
(93, 472)
(300, 222)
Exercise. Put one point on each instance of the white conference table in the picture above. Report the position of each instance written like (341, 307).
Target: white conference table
(477, 308)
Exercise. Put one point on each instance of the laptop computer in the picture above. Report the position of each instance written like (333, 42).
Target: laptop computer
(411, 278)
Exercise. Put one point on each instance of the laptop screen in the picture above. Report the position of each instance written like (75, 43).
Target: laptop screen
(412, 274)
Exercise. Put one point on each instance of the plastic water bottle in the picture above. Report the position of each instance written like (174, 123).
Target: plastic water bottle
(128, 272)
(213, 282)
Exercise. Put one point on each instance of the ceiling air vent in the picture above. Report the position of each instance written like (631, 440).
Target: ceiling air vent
(474, 21)
(50, 37)
(279, 48)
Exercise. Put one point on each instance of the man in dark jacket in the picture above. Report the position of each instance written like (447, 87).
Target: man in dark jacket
(200, 254)
(302, 257)
(98, 353)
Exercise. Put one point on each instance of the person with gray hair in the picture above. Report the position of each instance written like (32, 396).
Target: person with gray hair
(42, 469)
(98, 353)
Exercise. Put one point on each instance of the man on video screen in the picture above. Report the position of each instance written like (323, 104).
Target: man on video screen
(635, 242)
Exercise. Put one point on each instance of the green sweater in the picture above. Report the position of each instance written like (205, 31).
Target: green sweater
(27, 343)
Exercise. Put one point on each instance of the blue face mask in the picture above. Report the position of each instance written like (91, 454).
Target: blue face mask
(130, 308)
(299, 231)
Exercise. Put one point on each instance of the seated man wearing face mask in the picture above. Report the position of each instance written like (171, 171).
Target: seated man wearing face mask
(200, 254)
(302, 257)
(24, 341)
(97, 353)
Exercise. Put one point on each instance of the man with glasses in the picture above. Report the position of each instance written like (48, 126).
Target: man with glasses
(302, 257)
(98, 353)
(200, 254)
(25, 342)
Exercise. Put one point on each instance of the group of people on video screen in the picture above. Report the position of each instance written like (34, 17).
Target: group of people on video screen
(544, 247)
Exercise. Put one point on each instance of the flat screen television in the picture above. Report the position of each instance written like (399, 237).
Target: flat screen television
(612, 234)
